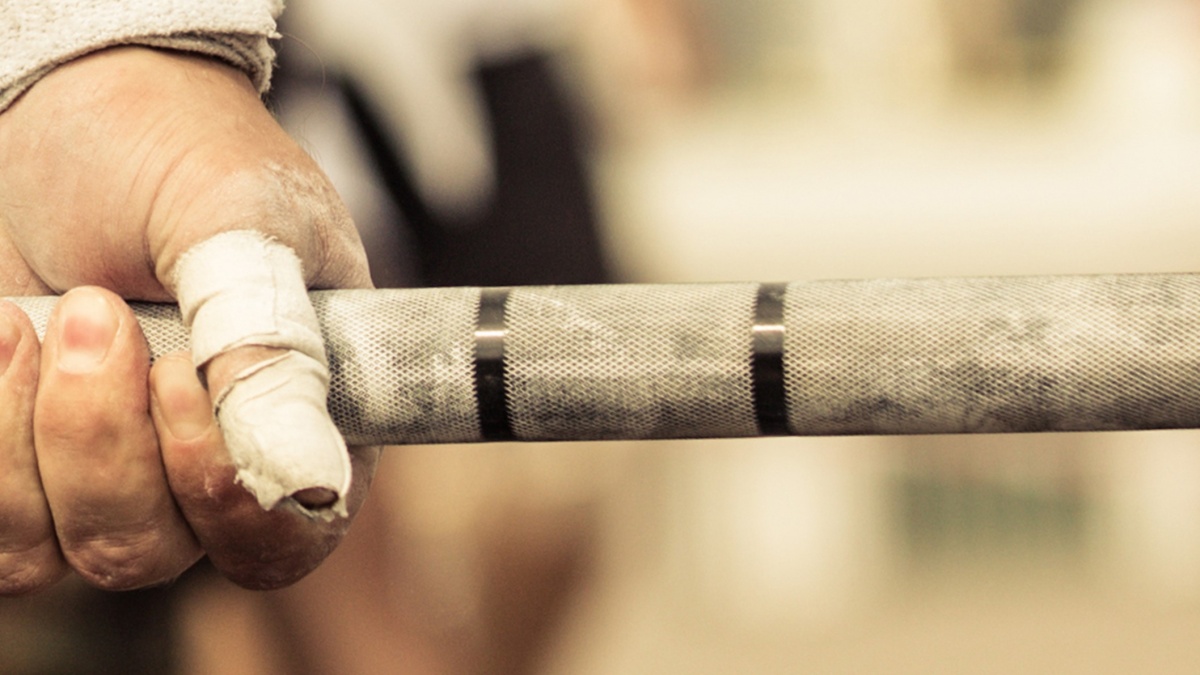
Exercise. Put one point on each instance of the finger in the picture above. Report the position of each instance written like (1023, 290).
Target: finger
(97, 451)
(255, 332)
(29, 555)
(254, 547)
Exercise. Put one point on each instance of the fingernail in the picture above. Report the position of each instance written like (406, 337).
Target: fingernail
(315, 498)
(87, 325)
(10, 338)
(182, 400)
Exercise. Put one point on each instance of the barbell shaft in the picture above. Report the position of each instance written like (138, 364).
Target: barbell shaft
(1005, 354)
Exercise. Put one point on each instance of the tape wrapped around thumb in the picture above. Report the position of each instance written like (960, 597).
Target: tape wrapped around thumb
(240, 289)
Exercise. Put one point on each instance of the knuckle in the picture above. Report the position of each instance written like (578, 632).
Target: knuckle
(27, 571)
(25, 580)
(121, 564)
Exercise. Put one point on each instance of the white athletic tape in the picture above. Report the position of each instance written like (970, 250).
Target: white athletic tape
(238, 289)
(241, 288)
(276, 426)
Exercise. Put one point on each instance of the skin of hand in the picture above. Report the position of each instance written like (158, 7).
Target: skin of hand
(111, 167)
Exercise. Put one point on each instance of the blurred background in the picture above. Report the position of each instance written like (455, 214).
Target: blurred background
(807, 139)
(914, 138)
(761, 140)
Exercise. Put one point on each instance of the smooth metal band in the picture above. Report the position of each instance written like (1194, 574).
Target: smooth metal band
(491, 387)
(770, 394)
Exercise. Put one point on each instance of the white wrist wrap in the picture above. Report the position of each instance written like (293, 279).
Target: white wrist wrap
(38, 35)
(238, 289)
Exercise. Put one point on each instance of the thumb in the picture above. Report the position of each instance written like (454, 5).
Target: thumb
(256, 337)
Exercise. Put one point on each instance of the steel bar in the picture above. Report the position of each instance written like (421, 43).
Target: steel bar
(1005, 354)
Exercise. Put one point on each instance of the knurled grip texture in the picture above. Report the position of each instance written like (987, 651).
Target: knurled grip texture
(1007, 354)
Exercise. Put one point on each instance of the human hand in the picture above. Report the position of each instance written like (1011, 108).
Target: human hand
(112, 168)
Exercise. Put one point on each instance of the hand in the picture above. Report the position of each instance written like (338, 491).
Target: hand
(111, 168)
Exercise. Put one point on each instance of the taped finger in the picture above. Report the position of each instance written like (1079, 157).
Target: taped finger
(240, 290)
